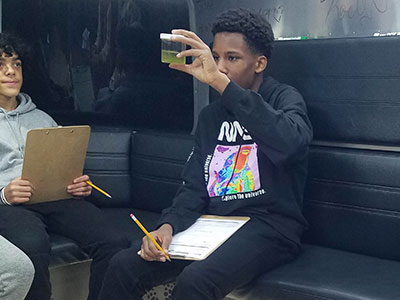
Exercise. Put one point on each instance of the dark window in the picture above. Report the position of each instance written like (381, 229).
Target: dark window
(98, 61)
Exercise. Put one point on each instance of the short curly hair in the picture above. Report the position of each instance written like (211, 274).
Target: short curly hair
(255, 28)
(11, 44)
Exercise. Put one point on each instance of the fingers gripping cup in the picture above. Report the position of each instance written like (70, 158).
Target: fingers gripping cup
(170, 49)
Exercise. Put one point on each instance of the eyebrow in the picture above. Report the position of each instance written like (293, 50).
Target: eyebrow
(233, 52)
(14, 59)
(229, 52)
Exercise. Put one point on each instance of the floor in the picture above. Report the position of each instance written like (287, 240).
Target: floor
(71, 282)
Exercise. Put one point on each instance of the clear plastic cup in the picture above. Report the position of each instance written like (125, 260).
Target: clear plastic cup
(170, 49)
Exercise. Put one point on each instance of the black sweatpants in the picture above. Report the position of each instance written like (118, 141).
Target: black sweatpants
(27, 226)
(251, 251)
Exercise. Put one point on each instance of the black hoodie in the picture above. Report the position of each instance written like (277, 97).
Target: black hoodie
(249, 159)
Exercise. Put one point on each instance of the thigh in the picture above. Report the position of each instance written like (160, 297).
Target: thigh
(251, 251)
(25, 229)
(77, 219)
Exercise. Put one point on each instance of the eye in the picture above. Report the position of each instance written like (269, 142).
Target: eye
(17, 64)
(216, 58)
(233, 58)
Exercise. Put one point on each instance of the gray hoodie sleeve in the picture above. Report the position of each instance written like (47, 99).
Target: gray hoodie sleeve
(3, 197)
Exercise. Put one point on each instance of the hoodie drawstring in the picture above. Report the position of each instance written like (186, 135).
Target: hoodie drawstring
(13, 132)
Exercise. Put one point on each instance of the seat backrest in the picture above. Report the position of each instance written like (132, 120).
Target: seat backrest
(107, 164)
(157, 161)
(352, 90)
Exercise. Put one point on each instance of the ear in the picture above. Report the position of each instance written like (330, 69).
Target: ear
(261, 64)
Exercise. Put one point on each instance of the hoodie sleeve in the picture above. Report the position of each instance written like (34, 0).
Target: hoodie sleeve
(3, 200)
(279, 125)
(191, 199)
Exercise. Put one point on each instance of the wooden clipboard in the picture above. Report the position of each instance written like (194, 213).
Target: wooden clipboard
(53, 158)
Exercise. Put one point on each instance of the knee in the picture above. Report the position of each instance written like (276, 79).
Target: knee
(122, 267)
(112, 239)
(122, 261)
(34, 245)
(19, 266)
(108, 247)
(119, 242)
(191, 279)
(26, 269)
(26, 273)
(195, 284)
(16, 276)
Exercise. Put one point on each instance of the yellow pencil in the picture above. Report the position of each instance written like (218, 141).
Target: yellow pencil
(97, 188)
(149, 236)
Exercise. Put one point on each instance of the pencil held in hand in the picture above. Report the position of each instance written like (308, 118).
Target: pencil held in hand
(150, 237)
(97, 188)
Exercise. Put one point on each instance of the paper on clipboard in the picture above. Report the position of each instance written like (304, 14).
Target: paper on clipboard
(53, 158)
(204, 236)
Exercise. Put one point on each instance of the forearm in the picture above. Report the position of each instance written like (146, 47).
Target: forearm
(189, 203)
(179, 219)
(282, 131)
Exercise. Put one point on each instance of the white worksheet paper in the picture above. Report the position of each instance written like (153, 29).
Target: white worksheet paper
(204, 236)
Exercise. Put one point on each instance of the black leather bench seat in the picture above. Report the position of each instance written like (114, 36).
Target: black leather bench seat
(65, 251)
(325, 273)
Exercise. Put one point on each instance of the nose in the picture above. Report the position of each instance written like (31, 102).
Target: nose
(221, 66)
(9, 69)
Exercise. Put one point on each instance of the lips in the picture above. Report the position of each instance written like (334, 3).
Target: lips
(10, 83)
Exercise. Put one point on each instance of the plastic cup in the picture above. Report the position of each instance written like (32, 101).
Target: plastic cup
(170, 49)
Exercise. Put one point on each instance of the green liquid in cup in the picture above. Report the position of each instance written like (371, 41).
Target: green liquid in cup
(169, 57)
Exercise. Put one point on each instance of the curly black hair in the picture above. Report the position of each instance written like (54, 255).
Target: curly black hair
(11, 44)
(255, 28)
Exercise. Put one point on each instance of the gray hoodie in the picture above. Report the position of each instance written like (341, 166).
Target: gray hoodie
(13, 128)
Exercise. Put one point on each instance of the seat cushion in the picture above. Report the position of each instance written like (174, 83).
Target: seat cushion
(65, 251)
(323, 273)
